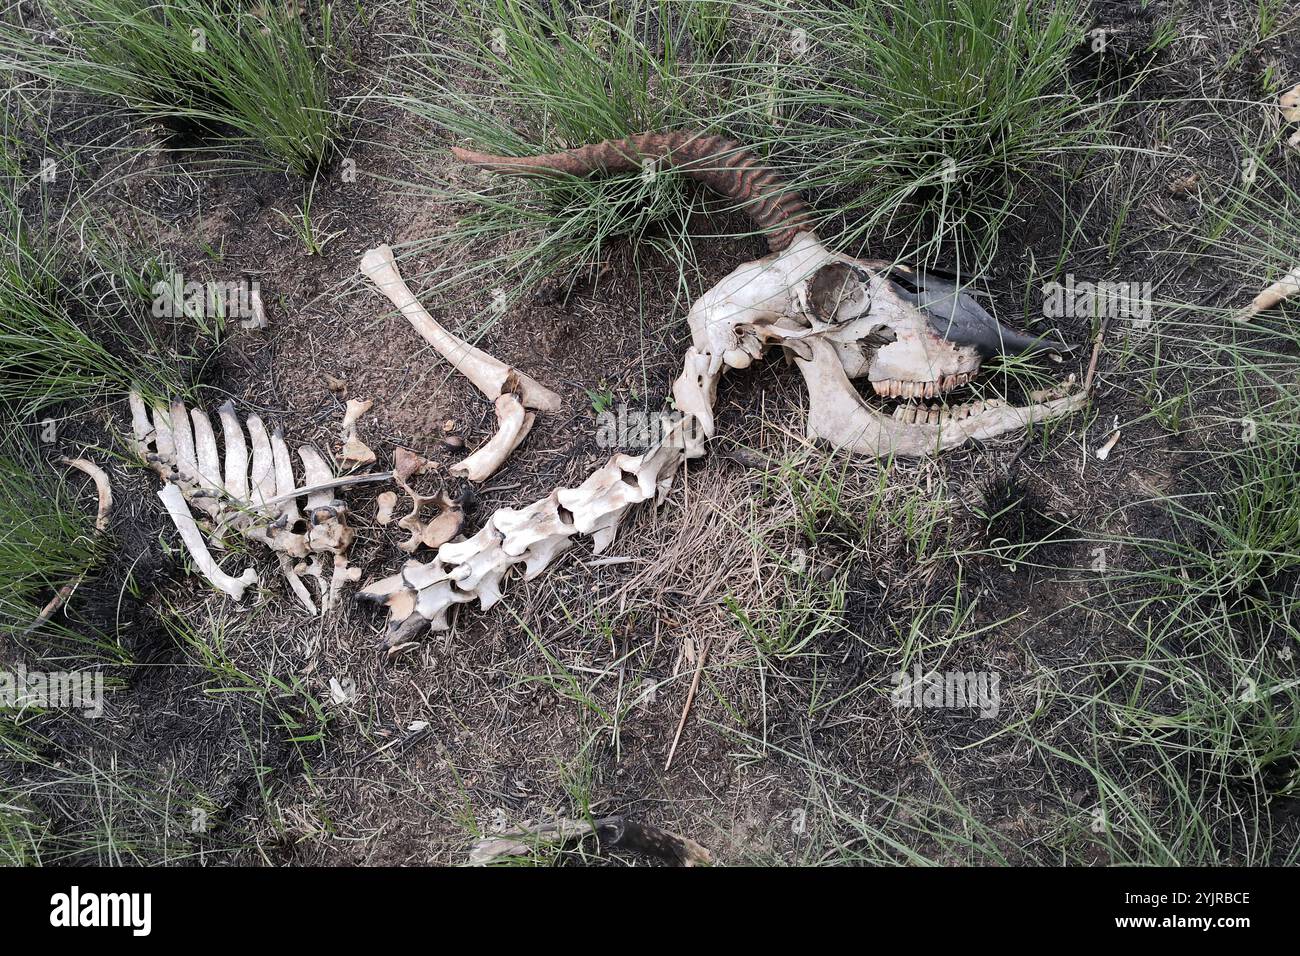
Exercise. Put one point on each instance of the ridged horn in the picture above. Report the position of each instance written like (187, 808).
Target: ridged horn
(721, 164)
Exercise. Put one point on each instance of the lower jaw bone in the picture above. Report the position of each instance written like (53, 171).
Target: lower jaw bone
(838, 415)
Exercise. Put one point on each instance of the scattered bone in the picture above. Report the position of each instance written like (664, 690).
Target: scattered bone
(179, 510)
(1283, 288)
(355, 409)
(236, 452)
(1104, 451)
(615, 832)
(513, 425)
(356, 452)
(104, 493)
(1289, 104)
(387, 501)
(489, 375)
(510, 389)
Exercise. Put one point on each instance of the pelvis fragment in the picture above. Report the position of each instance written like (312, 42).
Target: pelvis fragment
(257, 498)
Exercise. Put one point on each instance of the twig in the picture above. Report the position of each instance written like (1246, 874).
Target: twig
(1096, 352)
(690, 699)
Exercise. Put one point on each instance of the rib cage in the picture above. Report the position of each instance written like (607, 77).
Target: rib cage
(721, 164)
(255, 495)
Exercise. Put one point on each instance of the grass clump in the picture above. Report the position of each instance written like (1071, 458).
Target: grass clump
(254, 76)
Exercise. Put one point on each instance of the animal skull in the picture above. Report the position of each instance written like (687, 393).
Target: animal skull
(912, 336)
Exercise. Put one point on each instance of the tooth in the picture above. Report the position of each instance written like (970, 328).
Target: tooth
(879, 387)
(898, 413)
(929, 389)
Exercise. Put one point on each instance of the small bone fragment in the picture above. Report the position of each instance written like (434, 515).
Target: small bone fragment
(1104, 451)
(387, 501)
(1283, 288)
(488, 374)
(295, 584)
(1289, 104)
(104, 492)
(355, 409)
(445, 526)
(513, 425)
(236, 452)
(356, 452)
(179, 511)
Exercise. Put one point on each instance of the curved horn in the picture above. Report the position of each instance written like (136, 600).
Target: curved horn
(721, 164)
(962, 321)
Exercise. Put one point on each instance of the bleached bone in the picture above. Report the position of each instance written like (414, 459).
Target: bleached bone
(1272, 296)
(205, 452)
(488, 374)
(329, 531)
(236, 452)
(264, 509)
(422, 593)
(839, 318)
(387, 501)
(355, 452)
(104, 493)
(179, 510)
(513, 426)
(495, 379)
(261, 484)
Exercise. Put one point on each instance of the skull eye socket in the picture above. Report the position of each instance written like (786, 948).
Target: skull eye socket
(837, 286)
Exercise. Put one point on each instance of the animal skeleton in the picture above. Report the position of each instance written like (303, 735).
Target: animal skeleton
(913, 336)
(260, 503)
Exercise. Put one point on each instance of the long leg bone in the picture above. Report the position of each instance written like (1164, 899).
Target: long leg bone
(508, 388)
(489, 375)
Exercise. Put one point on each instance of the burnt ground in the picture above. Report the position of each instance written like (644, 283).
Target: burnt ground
(512, 708)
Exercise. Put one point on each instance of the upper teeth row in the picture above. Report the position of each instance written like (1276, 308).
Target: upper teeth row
(934, 414)
(894, 388)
